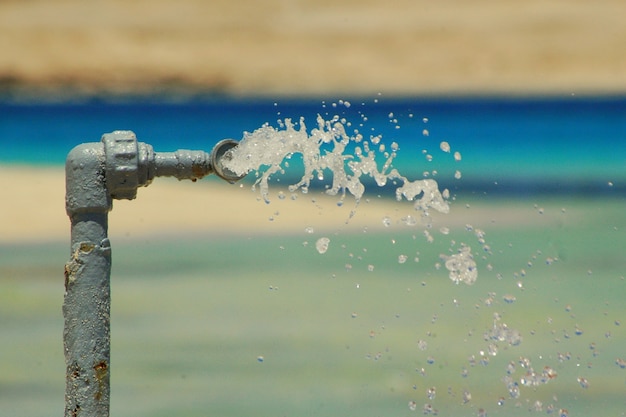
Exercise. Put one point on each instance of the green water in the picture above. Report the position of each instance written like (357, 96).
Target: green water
(266, 326)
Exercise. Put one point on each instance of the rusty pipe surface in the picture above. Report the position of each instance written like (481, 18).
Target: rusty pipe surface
(87, 301)
(193, 165)
(96, 174)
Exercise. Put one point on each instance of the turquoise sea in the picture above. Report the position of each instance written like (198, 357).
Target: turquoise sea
(558, 145)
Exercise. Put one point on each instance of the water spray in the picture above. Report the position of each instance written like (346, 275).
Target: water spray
(96, 174)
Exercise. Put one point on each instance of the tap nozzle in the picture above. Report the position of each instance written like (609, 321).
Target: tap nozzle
(222, 152)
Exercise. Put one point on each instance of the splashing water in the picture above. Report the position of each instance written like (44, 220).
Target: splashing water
(462, 266)
(326, 148)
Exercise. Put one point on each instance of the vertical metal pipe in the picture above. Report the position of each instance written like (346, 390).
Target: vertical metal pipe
(86, 308)
(87, 301)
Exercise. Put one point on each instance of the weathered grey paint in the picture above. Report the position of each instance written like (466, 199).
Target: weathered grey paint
(96, 173)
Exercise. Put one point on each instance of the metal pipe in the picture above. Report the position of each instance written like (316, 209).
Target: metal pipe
(97, 173)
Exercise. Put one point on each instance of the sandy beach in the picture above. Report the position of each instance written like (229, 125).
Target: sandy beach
(172, 208)
(306, 47)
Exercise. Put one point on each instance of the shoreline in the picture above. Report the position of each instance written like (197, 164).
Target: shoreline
(29, 93)
(170, 209)
(49, 96)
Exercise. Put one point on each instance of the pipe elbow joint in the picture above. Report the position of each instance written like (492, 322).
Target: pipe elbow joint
(85, 180)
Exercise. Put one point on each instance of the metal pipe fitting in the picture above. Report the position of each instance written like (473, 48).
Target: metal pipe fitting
(95, 174)
(222, 152)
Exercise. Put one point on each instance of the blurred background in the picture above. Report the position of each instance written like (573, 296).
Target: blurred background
(222, 305)
(306, 47)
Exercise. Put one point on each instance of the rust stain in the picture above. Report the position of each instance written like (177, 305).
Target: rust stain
(70, 271)
(86, 247)
(73, 266)
(101, 369)
(198, 171)
(75, 374)
(67, 272)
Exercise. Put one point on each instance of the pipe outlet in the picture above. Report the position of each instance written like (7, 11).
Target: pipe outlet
(221, 153)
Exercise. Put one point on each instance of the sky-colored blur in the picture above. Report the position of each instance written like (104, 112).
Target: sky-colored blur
(303, 47)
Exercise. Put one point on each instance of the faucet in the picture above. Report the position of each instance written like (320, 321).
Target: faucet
(96, 174)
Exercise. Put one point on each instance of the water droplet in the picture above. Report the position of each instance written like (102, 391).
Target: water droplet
(537, 406)
(584, 383)
(512, 387)
(509, 298)
(309, 230)
(370, 268)
(549, 373)
(402, 258)
(444, 146)
(322, 244)
(524, 362)
(461, 266)
(387, 221)
(457, 156)
(457, 174)
(260, 358)
(510, 368)
(409, 220)
(467, 397)
(412, 405)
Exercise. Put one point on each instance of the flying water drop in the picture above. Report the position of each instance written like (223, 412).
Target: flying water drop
(322, 244)
(461, 266)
